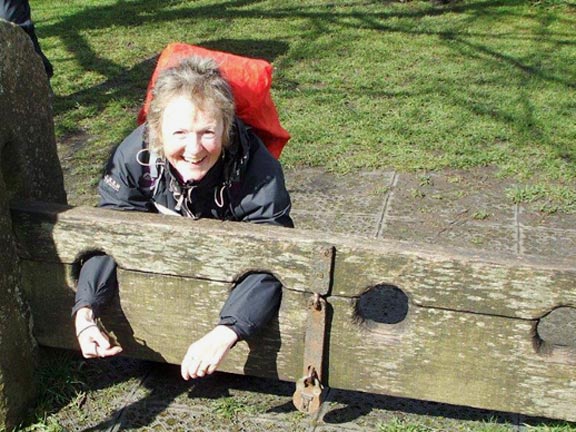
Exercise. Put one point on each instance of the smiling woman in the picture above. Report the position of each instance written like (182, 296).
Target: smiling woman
(192, 139)
(191, 158)
(190, 118)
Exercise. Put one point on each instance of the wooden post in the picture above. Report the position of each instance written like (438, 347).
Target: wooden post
(29, 168)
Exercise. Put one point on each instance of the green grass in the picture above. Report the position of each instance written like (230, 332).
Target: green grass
(559, 427)
(399, 424)
(59, 383)
(228, 408)
(359, 84)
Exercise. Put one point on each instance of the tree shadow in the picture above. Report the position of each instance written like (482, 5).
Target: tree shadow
(131, 14)
(130, 83)
(353, 405)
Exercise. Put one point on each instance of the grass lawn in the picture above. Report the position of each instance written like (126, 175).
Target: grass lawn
(413, 86)
(359, 84)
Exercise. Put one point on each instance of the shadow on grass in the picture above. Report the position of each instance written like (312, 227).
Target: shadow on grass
(122, 393)
(130, 14)
(198, 400)
(358, 405)
(130, 83)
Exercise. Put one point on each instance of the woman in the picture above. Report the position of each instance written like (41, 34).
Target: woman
(192, 158)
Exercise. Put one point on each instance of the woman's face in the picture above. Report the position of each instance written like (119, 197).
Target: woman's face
(192, 139)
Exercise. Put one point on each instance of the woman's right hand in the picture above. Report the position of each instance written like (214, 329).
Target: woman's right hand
(93, 342)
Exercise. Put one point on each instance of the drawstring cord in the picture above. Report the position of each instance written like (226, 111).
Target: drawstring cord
(156, 164)
(138, 157)
(219, 202)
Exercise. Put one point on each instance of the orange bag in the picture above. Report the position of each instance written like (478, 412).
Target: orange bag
(250, 80)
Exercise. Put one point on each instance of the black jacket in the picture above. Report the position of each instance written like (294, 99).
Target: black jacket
(247, 184)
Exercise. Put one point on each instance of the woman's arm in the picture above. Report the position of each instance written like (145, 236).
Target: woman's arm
(255, 299)
(97, 284)
(253, 302)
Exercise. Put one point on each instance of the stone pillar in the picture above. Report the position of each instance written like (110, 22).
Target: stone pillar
(29, 169)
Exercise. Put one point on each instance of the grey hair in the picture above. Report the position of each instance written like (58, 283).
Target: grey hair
(200, 80)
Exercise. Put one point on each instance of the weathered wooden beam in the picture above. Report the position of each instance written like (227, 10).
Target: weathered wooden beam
(469, 336)
(157, 317)
(205, 249)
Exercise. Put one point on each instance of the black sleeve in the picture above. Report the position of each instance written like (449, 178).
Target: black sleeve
(264, 197)
(97, 284)
(119, 190)
(251, 304)
(265, 200)
(269, 204)
(120, 187)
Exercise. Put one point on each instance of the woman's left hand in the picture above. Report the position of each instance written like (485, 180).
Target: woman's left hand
(205, 355)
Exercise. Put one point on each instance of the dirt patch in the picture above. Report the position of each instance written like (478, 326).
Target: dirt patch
(80, 189)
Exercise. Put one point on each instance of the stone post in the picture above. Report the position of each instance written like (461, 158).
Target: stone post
(29, 169)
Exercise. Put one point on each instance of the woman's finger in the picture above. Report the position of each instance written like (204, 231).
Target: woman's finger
(202, 368)
(112, 351)
(189, 366)
(94, 343)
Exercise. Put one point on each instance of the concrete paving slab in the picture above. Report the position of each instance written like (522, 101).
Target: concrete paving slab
(548, 242)
(163, 401)
(456, 233)
(331, 222)
(154, 417)
(449, 195)
(165, 418)
(530, 215)
(348, 409)
(321, 192)
(271, 399)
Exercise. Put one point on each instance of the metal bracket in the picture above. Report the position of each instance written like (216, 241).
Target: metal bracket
(321, 277)
(309, 390)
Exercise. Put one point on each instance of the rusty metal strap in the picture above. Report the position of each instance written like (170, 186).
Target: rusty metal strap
(321, 276)
(309, 390)
(315, 336)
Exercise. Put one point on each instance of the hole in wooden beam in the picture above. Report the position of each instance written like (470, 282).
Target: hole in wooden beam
(555, 336)
(80, 259)
(382, 304)
(558, 327)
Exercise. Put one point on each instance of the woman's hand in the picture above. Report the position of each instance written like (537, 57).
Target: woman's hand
(93, 342)
(204, 355)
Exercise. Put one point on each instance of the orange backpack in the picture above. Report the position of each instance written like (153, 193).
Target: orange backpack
(250, 80)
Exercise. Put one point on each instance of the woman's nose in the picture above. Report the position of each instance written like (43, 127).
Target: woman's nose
(192, 144)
